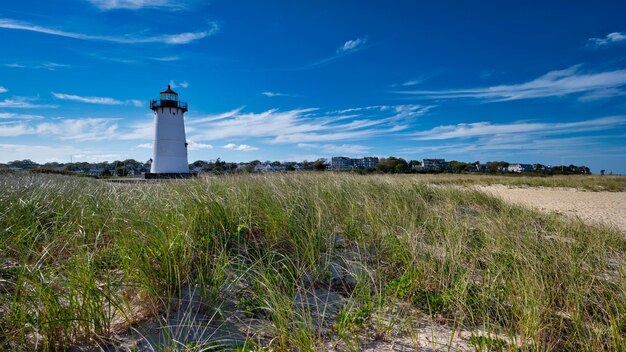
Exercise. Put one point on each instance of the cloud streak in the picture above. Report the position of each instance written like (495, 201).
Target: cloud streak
(24, 103)
(275, 94)
(350, 149)
(573, 80)
(306, 125)
(353, 45)
(173, 39)
(240, 148)
(182, 84)
(107, 5)
(97, 100)
(609, 40)
(481, 129)
(13, 116)
(512, 146)
(51, 66)
(349, 47)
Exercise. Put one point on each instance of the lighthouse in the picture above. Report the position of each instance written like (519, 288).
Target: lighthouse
(169, 150)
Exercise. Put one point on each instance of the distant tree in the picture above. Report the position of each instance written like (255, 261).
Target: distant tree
(602, 172)
(199, 163)
(392, 165)
(120, 171)
(401, 168)
(23, 164)
(320, 164)
(494, 166)
(458, 166)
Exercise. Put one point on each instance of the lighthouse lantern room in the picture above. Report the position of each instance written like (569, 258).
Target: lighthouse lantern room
(169, 149)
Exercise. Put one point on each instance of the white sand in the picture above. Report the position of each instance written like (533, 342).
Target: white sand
(607, 208)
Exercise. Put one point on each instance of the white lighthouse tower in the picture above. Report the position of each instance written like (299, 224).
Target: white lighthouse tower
(169, 150)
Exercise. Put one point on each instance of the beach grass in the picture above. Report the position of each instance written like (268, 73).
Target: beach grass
(302, 261)
(609, 183)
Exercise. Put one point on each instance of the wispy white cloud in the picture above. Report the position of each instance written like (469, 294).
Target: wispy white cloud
(75, 130)
(53, 152)
(15, 129)
(479, 129)
(553, 84)
(175, 39)
(14, 116)
(191, 145)
(275, 94)
(182, 84)
(97, 100)
(3, 90)
(215, 117)
(240, 148)
(51, 66)
(80, 130)
(164, 58)
(353, 45)
(513, 147)
(350, 149)
(349, 47)
(138, 131)
(198, 146)
(410, 83)
(136, 4)
(608, 40)
(24, 103)
(306, 125)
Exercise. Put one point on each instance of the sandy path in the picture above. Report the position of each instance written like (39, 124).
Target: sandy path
(595, 207)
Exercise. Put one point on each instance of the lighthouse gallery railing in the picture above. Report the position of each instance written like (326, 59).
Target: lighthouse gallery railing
(158, 103)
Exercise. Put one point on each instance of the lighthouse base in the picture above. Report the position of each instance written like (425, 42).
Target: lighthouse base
(167, 175)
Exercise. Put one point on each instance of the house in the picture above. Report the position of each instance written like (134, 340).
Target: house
(519, 168)
(269, 167)
(434, 164)
(477, 167)
(340, 163)
(345, 163)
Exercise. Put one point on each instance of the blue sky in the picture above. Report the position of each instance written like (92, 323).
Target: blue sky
(294, 80)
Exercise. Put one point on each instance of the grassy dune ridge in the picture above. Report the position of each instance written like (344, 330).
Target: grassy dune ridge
(611, 183)
(83, 259)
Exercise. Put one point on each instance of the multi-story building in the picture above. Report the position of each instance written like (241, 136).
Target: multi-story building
(345, 163)
(434, 164)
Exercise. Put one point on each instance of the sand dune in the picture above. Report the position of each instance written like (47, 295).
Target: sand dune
(607, 208)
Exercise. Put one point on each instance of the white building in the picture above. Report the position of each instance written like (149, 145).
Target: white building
(434, 164)
(345, 163)
(269, 167)
(519, 168)
(169, 150)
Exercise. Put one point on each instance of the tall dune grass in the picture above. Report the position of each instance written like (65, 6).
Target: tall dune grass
(611, 183)
(82, 260)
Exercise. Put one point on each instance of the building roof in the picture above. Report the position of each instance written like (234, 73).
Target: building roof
(169, 91)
